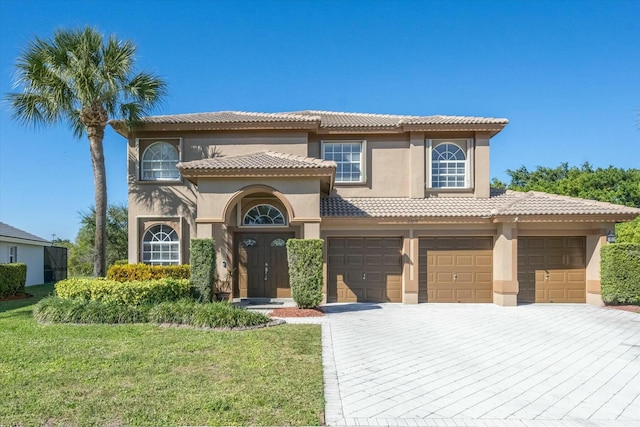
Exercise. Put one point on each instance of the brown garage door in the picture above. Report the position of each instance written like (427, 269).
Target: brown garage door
(456, 269)
(364, 269)
(551, 269)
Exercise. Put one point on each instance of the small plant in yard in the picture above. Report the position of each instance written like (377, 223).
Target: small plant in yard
(305, 271)
(224, 286)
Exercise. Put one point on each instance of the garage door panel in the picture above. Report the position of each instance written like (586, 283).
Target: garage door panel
(355, 243)
(464, 260)
(458, 269)
(353, 260)
(373, 260)
(562, 275)
(484, 261)
(372, 269)
(444, 260)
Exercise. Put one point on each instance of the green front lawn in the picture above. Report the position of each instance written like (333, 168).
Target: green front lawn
(149, 375)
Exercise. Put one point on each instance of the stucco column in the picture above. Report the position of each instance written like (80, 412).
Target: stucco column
(410, 258)
(311, 230)
(482, 179)
(595, 241)
(134, 239)
(417, 180)
(505, 266)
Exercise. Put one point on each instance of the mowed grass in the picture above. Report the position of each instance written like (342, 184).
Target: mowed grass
(149, 375)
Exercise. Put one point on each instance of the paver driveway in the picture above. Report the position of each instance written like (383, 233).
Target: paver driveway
(481, 364)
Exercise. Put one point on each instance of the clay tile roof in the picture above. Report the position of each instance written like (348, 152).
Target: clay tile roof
(260, 160)
(230, 117)
(325, 119)
(500, 203)
(332, 119)
(539, 203)
(8, 231)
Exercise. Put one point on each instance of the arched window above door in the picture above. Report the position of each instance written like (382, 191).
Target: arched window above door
(264, 215)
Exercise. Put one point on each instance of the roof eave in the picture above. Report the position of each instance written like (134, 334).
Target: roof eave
(519, 218)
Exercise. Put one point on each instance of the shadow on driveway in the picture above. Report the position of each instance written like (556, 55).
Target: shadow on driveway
(349, 307)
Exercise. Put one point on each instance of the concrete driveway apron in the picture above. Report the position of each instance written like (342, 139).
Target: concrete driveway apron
(481, 364)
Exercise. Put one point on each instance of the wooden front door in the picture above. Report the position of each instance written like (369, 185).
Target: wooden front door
(263, 270)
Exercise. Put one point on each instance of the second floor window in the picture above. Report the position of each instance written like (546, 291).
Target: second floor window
(159, 162)
(348, 156)
(448, 166)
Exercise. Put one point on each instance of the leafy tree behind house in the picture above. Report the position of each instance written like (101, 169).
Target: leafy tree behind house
(79, 78)
(612, 185)
(80, 252)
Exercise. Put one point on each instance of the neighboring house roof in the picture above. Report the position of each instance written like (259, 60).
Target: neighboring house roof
(8, 232)
(501, 203)
(314, 120)
(260, 160)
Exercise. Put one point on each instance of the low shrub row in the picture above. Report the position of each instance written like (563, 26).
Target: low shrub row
(127, 293)
(12, 278)
(131, 272)
(620, 273)
(185, 312)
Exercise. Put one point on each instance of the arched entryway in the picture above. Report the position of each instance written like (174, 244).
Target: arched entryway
(262, 218)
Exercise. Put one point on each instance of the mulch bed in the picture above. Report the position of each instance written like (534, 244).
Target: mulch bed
(16, 296)
(631, 308)
(296, 312)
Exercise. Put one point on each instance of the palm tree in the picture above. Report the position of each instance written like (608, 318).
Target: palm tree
(80, 78)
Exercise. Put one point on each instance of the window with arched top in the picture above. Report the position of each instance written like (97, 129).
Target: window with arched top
(264, 215)
(161, 246)
(448, 166)
(159, 162)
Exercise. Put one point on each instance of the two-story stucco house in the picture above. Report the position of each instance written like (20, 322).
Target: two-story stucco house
(403, 204)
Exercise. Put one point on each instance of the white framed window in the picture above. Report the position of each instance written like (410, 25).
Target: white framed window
(13, 254)
(349, 156)
(161, 246)
(264, 215)
(159, 162)
(449, 164)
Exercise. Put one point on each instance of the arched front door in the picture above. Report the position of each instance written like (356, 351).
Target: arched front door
(263, 270)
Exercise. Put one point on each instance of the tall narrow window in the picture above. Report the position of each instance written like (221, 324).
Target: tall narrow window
(349, 158)
(448, 166)
(159, 162)
(13, 254)
(161, 246)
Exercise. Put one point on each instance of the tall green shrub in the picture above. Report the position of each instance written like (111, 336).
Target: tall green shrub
(620, 273)
(203, 261)
(305, 271)
(13, 278)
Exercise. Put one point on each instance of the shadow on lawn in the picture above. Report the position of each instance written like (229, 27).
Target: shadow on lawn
(38, 292)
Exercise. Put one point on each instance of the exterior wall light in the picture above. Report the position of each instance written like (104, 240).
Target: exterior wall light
(611, 237)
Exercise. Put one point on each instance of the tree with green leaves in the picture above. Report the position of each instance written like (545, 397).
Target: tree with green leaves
(612, 185)
(82, 79)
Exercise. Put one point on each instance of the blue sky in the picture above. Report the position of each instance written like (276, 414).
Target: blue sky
(565, 73)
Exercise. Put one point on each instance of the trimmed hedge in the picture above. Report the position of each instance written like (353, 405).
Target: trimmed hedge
(305, 271)
(130, 272)
(186, 312)
(54, 309)
(620, 273)
(203, 261)
(127, 293)
(13, 278)
(211, 315)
